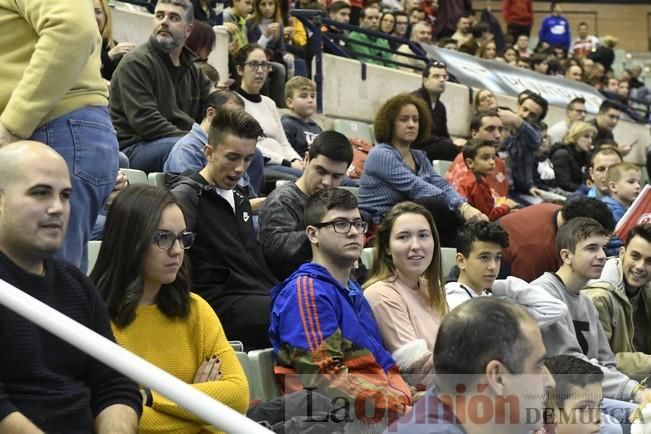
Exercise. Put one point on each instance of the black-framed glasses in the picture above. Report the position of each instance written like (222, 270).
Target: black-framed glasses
(343, 226)
(166, 239)
(266, 66)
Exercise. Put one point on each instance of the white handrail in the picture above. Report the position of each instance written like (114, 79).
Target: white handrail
(139, 370)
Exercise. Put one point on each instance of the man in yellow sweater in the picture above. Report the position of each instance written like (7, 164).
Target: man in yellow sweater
(51, 91)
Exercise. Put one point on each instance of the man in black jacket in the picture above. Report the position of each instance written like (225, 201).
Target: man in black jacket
(438, 145)
(157, 93)
(228, 268)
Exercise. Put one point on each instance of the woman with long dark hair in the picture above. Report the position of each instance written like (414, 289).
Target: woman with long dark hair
(143, 275)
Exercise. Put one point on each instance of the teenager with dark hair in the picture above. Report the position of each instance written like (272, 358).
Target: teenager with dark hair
(533, 229)
(322, 328)
(580, 244)
(228, 268)
(143, 275)
(282, 226)
(575, 401)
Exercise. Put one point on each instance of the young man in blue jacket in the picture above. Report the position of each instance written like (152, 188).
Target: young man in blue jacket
(322, 328)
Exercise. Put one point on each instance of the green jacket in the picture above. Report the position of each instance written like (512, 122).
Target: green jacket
(616, 316)
(362, 49)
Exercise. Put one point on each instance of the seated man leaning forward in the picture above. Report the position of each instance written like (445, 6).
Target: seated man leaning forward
(490, 379)
(282, 228)
(322, 328)
(46, 384)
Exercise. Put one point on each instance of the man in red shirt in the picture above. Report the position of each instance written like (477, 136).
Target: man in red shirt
(518, 15)
(532, 234)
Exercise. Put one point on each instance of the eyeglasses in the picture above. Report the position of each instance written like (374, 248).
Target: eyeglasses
(166, 239)
(437, 64)
(257, 65)
(343, 226)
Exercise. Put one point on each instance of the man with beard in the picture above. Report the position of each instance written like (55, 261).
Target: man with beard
(157, 93)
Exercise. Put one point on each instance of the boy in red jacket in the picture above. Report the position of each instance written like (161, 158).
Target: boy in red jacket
(479, 156)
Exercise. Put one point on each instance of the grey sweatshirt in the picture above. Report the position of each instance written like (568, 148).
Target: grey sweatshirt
(282, 230)
(580, 334)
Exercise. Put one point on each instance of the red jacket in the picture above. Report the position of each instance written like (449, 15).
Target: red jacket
(479, 193)
(518, 12)
(499, 180)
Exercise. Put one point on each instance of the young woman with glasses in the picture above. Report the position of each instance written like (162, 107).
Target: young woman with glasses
(253, 68)
(142, 274)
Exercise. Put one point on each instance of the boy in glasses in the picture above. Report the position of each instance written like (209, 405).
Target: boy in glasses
(228, 268)
(322, 328)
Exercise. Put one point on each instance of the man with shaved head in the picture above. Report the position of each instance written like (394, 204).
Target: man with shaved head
(47, 385)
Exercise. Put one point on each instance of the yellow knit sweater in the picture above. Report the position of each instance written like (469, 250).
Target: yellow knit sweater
(179, 347)
(49, 62)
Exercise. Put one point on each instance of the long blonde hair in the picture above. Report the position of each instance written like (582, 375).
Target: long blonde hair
(107, 31)
(383, 268)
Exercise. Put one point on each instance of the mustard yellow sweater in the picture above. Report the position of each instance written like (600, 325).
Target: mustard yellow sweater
(179, 347)
(49, 61)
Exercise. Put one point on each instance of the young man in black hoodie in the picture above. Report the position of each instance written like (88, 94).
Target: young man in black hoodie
(228, 267)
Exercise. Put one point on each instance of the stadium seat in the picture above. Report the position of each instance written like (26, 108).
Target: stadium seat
(93, 251)
(243, 358)
(448, 259)
(262, 376)
(135, 176)
(441, 166)
(354, 130)
(156, 179)
(367, 257)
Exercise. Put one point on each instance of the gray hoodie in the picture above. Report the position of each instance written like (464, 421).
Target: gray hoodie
(545, 308)
(580, 334)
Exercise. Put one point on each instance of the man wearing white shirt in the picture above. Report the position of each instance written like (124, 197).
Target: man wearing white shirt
(575, 111)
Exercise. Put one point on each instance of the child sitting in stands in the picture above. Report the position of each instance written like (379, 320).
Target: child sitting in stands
(300, 129)
(623, 182)
(479, 156)
(575, 401)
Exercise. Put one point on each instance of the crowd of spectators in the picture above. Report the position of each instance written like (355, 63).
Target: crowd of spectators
(215, 256)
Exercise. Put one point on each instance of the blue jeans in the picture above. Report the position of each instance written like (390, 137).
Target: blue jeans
(150, 156)
(86, 140)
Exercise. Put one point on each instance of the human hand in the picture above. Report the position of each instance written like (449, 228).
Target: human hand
(209, 370)
(120, 50)
(534, 191)
(298, 164)
(121, 182)
(469, 212)
(272, 31)
(624, 148)
(288, 32)
(509, 118)
(5, 136)
(511, 203)
(231, 27)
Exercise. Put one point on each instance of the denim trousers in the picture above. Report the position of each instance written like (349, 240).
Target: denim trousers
(87, 141)
(150, 156)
